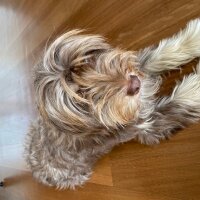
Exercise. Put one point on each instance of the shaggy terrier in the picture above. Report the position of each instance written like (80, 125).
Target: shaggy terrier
(92, 96)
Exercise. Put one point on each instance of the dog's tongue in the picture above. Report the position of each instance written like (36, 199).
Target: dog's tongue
(133, 85)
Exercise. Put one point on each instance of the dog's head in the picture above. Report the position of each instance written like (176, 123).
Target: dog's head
(84, 82)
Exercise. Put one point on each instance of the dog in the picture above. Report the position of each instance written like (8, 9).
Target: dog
(92, 97)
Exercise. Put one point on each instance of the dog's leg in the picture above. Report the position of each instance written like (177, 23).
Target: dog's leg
(174, 51)
(172, 113)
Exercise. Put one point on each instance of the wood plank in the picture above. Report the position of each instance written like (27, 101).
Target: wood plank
(170, 171)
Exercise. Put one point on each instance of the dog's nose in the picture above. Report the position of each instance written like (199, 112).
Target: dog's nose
(133, 85)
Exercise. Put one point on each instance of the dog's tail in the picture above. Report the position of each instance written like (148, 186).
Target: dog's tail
(174, 51)
(56, 92)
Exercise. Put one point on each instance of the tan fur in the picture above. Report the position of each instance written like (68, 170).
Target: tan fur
(92, 97)
(83, 82)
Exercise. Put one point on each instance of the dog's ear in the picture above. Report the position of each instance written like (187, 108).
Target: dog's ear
(72, 52)
(56, 94)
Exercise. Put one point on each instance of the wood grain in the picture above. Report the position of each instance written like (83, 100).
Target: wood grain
(169, 171)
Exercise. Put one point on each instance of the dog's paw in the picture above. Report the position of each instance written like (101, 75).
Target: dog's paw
(187, 92)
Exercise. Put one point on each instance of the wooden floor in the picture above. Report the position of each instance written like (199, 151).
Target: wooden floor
(169, 171)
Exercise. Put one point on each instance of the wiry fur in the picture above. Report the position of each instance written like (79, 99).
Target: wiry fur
(85, 108)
